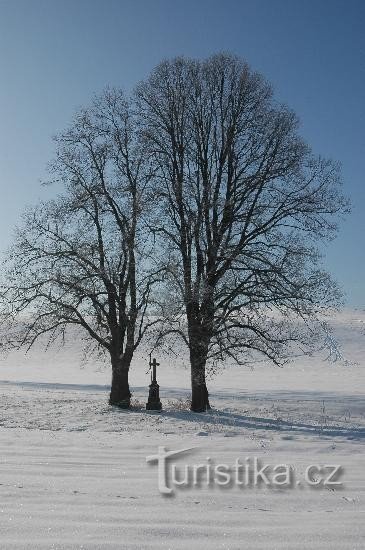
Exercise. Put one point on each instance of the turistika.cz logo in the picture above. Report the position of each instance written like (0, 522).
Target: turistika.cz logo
(249, 472)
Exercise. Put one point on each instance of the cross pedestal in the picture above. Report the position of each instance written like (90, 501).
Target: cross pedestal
(154, 403)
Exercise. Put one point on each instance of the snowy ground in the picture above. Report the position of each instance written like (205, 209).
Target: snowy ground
(73, 471)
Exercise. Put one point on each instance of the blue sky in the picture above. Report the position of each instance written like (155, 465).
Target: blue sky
(55, 54)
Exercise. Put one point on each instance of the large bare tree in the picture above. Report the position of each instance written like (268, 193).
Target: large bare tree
(242, 203)
(74, 260)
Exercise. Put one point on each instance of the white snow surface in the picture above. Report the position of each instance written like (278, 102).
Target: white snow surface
(73, 472)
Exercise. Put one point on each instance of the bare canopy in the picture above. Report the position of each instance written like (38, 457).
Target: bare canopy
(74, 261)
(205, 167)
(241, 205)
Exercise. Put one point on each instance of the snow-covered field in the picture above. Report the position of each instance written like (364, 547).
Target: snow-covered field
(73, 471)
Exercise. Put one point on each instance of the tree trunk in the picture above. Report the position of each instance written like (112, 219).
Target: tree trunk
(120, 395)
(199, 391)
(199, 345)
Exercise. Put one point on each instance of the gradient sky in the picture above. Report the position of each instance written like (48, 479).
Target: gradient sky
(55, 54)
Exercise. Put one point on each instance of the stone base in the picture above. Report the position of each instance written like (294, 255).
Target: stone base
(153, 406)
(124, 404)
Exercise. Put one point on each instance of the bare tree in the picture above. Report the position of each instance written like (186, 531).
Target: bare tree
(242, 203)
(74, 260)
